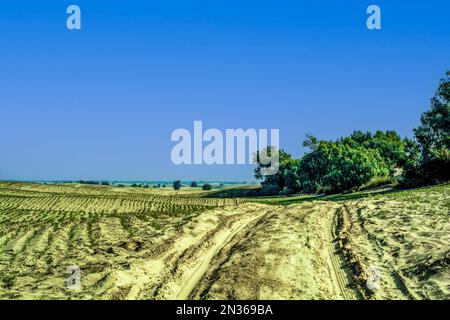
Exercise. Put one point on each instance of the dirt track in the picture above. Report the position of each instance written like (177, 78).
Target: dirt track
(269, 260)
(339, 272)
(144, 246)
(195, 277)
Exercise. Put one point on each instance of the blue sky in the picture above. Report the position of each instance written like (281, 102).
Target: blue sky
(101, 103)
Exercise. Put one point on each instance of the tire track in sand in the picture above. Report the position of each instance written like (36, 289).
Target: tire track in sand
(339, 276)
(200, 270)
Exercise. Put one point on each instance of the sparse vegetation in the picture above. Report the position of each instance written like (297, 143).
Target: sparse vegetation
(194, 184)
(177, 185)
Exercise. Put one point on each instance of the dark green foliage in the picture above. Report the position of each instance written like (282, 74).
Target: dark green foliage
(389, 145)
(291, 171)
(237, 192)
(311, 142)
(273, 184)
(88, 182)
(207, 187)
(431, 155)
(332, 166)
(311, 168)
(350, 167)
(269, 188)
(194, 184)
(363, 157)
(282, 157)
(177, 185)
(337, 167)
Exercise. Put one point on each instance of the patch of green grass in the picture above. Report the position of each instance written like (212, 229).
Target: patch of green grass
(379, 182)
(390, 193)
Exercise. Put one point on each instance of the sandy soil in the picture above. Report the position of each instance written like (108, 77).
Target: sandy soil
(131, 244)
(406, 237)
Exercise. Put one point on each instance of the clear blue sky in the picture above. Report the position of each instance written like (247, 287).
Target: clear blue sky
(101, 103)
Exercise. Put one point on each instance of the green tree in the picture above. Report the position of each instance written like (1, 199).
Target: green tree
(291, 173)
(272, 184)
(194, 184)
(433, 140)
(389, 145)
(177, 185)
(207, 187)
(338, 166)
(348, 167)
(311, 142)
(312, 167)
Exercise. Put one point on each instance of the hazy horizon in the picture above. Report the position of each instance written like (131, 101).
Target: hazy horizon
(134, 181)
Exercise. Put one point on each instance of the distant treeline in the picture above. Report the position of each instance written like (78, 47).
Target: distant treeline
(133, 185)
(176, 185)
(364, 158)
(103, 183)
(194, 184)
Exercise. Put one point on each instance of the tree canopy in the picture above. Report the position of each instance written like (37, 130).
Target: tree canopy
(177, 185)
(353, 161)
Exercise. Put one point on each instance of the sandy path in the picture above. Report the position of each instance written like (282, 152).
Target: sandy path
(339, 275)
(204, 265)
(175, 267)
(289, 253)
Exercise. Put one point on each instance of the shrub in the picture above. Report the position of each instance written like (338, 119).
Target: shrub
(285, 177)
(338, 167)
(389, 145)
(177, 185)
(351, 167)
(269, 189)
(312, 168)
(207, 187)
